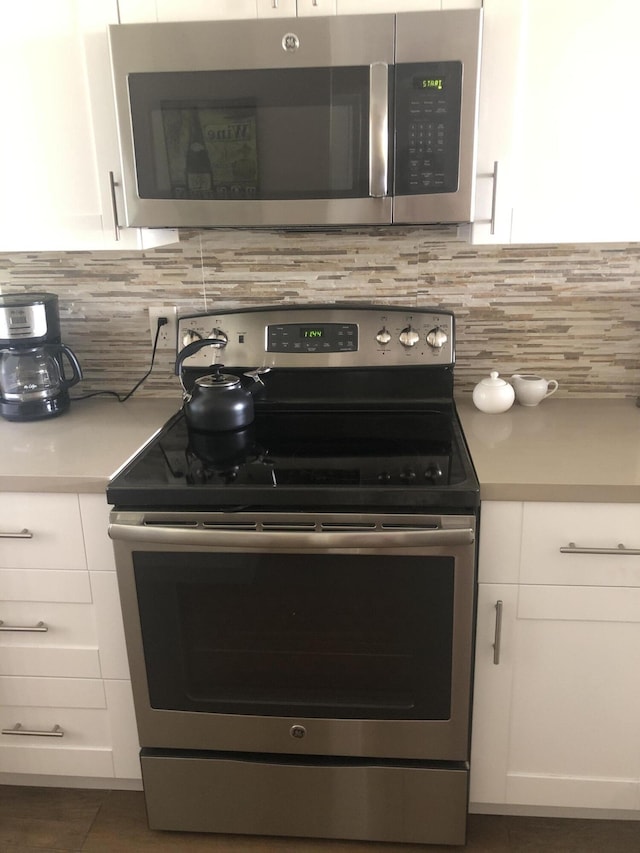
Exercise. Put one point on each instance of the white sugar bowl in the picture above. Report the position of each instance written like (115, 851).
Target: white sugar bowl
(493, 395)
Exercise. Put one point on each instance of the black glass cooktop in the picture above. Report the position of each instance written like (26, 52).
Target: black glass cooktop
(312, 458)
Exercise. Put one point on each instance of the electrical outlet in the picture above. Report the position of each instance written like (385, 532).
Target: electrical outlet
(168, 337)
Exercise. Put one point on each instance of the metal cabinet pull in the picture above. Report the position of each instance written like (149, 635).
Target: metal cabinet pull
(40, 627)
(274, 4)
(19, 534)
(572, 548)
(56, 731)
(112, 185)
(497, 636)
(494, 197)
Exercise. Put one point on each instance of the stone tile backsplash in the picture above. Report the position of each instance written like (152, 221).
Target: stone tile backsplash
(569, 312)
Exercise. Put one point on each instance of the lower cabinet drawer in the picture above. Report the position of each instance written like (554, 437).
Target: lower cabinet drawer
(578, 544)
(59, 741)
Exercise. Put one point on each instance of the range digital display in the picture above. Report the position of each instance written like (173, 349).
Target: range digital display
(310, 334)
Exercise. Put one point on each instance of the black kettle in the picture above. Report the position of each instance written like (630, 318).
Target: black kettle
(218, 402)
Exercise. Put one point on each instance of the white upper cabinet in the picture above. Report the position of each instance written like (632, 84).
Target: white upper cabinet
(358, 7)
(306, 8)
(56, 190)
(557, 113)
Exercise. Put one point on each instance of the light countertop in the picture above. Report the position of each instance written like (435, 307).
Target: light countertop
(80, 450)
(562, 450)
(585, 449)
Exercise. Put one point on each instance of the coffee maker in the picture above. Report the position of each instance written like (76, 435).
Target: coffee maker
(33, 381)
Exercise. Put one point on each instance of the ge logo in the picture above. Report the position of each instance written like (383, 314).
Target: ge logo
(290, 42)
(297, 731)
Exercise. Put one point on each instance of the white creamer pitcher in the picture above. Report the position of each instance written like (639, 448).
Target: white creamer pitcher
(531, 389)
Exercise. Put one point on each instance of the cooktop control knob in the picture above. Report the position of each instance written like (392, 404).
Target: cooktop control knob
(433, 473)
(190, 336)
(408, 475)
(408, 337)
(383, 337)
(218, 338)
(437, 338)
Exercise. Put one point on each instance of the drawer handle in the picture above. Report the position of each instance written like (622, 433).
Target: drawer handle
(572, 548)
(39, 628)
(20, 534)
(56, 731)
(497, 637)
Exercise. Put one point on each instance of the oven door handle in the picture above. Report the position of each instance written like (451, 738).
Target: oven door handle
(290, 540)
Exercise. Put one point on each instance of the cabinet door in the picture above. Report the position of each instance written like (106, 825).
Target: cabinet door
(205, 10)
(52, 196)
(501, 46)
(357, 7)
(276, 8)
(49, 193)
(578, 172)
(307, 8)
(555, 722)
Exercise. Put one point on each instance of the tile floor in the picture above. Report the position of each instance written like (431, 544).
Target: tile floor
(57, 820)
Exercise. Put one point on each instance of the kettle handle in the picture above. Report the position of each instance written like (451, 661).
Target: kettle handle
(195, 347)
(62, 349)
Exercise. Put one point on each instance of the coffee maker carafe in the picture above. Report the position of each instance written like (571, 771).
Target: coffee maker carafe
(34, 363)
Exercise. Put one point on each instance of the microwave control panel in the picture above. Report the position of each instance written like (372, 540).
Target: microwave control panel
(428, 103)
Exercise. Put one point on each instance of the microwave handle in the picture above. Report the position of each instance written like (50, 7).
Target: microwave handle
(378, 129)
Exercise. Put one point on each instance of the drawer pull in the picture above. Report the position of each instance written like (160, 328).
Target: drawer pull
(56, 731)
(572, 548)
(39, 628)
(19, 534)
(497, 637)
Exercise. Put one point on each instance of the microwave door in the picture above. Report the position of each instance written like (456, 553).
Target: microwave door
(255, 137)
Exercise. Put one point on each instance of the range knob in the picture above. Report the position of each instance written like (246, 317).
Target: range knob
(433, 473)
(437, 338)
(383, 337)
(408, 337)
(408, 475)
(190, 336)
(218, 338)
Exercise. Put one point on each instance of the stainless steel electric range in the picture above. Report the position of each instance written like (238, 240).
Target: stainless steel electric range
(298, 592)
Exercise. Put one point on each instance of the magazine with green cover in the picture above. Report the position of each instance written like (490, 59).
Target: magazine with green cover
(227, 135)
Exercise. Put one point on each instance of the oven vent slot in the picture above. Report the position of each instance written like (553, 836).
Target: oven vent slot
(229, 525)
(410, 526)
(348, 525)
(293, 526)
(156, 522)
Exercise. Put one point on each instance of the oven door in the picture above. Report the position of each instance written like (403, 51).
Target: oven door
(312, 634)
(245, 123)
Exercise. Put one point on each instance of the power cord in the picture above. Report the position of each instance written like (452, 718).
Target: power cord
(162, 321)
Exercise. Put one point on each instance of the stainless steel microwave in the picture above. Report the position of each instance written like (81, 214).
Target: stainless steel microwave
(341, 120)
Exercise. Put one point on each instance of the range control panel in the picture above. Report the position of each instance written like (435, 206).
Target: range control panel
(321, 336)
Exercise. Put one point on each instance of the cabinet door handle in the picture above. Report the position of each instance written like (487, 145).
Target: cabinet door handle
(56, 731)
(18, 534)
(114, 204)
(572, 548)
(40, 627)
(494, 198)
(497, 636)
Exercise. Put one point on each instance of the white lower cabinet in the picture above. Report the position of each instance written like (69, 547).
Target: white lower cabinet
(557, 692)
(66, 708)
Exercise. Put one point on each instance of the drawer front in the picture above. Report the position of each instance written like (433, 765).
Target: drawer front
(41, 531)
(44, 585)
(83, 749)
(52, 692)
(44, 625)
(589, 536)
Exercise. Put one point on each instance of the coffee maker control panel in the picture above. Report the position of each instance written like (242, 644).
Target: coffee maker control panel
(23, 321)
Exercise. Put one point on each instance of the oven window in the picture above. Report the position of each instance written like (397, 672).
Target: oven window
(264, 134)
(344, 636)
